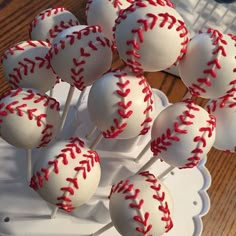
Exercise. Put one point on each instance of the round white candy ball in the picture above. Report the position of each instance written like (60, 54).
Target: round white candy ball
(121, 105)
(67, 174)
(26, 65)
(182, 134)
(80, 55)
(224, 109)
(150, 36)
(141, 205)
(28, 118)
(104, 14)
(48, 23)
(208, 67)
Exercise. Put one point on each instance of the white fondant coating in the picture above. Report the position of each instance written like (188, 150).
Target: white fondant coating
(18, 128)
(181, 132)
(25, 65)
(48, 23)
(224, 109)
(209, 56)
(69, 155)
(136, 198)
(144, 36)
(117, 92)
(80, 55)
(104, 13)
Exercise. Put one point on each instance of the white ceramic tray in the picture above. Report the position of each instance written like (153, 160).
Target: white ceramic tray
(23, 212)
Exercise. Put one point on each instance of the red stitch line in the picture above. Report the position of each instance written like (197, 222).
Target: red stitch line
(161, 143)
(53, 32)
(43, 15)
(21, 47)
(25, 67)
(131, 193)
(21, 109)
(65, 155)
(160, 196)
(196, 89)
(148, 23)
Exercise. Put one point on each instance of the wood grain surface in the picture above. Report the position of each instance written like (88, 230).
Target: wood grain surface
(15, 17)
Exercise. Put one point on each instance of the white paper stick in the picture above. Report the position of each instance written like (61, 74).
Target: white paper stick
(91, 133)
(96, 141)
(29, 163)
(103, 229)
(54, 212)
(80, 97)
(51, 92)
(165, 173)
(141, 154)
(148, 164)
(67, 106)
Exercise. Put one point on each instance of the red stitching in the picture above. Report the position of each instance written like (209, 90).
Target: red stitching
(68, 153)
(27, 65)
(60, 27)
(148, 99)
(132, 194)
(159, 144)
(160, 196)
(166, 20)
(44, 15)
(21, 109)
(125, 110)
(78, 64)
(21, 47)
(196, 89)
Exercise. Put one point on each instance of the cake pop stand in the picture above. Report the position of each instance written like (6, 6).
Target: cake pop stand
(23, 212)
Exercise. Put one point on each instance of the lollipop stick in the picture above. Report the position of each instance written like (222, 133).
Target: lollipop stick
(54, 212)
(166, 172)
(96, 141)
(29, 163)
(91, 133)
(66, 108)
(148, 164)
(51, 92)
(103, 229)
(141, 154)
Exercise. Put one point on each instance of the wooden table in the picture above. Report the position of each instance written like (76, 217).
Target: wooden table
(15, 17)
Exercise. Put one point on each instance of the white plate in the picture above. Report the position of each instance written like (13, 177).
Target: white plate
(23, 212)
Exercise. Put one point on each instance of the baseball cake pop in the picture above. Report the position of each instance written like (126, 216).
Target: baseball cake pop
(28, 118)
(121, 105)
(224, 109)
(140, 205)
(50, 22)
(150, 36)
(104, 14)
(80, 55)
(182, 134)
(67, 174)
(208, 67)
(25, 65)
